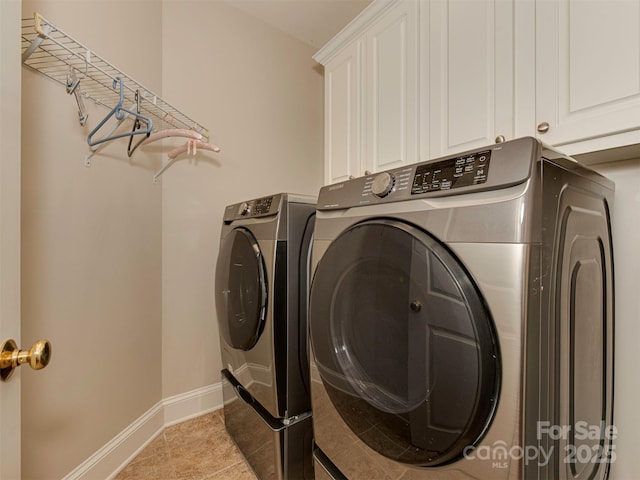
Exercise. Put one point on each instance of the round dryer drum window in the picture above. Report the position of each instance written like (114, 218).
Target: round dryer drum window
(404, 343)
(241, 289)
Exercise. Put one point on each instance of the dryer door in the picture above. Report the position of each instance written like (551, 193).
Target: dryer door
(241, 289)
(404, 343)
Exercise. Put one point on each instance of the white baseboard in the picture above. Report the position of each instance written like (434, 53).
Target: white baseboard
(192, 404)
(118, 452)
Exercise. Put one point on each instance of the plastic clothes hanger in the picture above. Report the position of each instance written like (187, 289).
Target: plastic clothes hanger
(73, 88)
(171, 132)
(159, 135)
(119, 112)
(191, 147)
(137, 124)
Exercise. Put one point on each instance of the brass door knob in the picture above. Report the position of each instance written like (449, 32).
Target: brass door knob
(38, 356)
(500, 139)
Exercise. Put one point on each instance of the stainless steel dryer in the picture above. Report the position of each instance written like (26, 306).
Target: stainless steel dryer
(461, 319)
(261, 301)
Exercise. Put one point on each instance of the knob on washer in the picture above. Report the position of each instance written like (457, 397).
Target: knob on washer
(383, 184)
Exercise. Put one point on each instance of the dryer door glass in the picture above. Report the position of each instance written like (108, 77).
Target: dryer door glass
(404, 343)
(241, 289)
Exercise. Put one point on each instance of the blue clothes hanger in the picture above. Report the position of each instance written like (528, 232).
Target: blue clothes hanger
(119, 112)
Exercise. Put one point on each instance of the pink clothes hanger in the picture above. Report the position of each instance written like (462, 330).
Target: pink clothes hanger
(191, 147)
(169, 132)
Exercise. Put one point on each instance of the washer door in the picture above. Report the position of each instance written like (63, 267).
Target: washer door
(241, 289)
(404, 343)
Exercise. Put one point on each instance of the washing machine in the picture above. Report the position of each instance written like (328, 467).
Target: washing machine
(461, 320)
(261, 295)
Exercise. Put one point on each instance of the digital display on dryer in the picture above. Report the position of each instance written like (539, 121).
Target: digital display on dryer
(453, 173)
(262, 206)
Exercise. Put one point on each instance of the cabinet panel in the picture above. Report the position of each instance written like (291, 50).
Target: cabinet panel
(391, 106)
(598, 59)
(342, 115)
(587, 68)
(471, 81)
(470, 72)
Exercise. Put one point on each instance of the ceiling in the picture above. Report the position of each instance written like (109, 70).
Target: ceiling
(314, 22)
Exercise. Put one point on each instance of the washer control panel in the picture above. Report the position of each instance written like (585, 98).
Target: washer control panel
(253, 208)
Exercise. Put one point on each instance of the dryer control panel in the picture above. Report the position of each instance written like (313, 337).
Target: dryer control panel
(454, 173)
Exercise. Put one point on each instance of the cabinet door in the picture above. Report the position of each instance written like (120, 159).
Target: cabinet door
(391, 105)
(587, 68)
(471, 81)
(342, 90)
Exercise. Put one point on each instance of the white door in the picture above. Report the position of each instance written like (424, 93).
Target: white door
(10, 75)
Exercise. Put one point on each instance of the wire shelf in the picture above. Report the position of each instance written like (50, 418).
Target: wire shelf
(48, 50)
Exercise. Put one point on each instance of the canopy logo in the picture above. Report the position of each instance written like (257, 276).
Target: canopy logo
(499, 454)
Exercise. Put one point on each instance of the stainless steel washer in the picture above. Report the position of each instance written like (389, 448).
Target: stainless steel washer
(261, 301)
(461, 319)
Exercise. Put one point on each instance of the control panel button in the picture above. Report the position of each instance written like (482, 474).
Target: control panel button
(383, 184)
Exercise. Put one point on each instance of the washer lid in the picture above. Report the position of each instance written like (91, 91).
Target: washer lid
(241, 289)
(404, 343)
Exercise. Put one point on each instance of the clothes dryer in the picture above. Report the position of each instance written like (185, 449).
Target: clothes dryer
(261, 301)
(461, 319)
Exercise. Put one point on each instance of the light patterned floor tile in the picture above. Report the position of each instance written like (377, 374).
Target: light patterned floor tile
(196, 449)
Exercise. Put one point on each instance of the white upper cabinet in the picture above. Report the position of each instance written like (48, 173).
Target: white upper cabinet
(371, 91)
(410, 80)
(343, 115)
(471, 77)
(391, 90)
(587, 70)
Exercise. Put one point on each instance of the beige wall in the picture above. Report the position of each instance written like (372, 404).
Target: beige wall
(260, 94)
(91, 250)
(118, 272)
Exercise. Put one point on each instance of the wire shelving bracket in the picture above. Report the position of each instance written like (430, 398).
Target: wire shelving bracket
(49, 51)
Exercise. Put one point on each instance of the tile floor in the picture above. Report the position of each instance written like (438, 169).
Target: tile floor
(198, 449)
